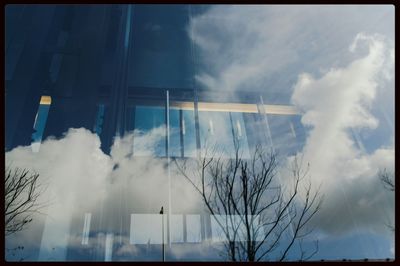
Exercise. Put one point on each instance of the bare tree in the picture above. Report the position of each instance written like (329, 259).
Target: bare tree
(254, 211)
(387, 180)
(22, 191)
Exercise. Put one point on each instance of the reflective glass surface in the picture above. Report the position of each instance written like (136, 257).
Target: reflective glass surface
(127, 114)
(149, 122)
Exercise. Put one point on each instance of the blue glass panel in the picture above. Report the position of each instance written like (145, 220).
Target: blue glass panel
(287, 134)
(99, 120)
(150, 131)
(40, 122)
(216, 133)
(240, 134)
(39, 125)
(174, 133)
(189, 133)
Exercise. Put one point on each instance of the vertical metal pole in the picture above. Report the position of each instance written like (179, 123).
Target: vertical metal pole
(196, 123)
(162, 231)
(169, 176)
(181, 131)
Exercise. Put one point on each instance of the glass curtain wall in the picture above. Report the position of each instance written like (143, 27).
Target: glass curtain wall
(129, 96)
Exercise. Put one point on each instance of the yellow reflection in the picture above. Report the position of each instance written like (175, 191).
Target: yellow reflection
(45, 100)
(237, 107)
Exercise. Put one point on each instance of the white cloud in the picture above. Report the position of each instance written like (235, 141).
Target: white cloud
(339, 100)
(266, 47)
(143, 143)
(72, 166)
(341, 60)
(81, 178)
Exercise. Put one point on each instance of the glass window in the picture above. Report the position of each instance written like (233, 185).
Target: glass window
(239, 130)
(182, 133)
(109, 247)
(216, 132)
(147, 228)
(234, 222)
(287, 133)
(98, 127)
(150, 135)
(175, 144)
(221, 222)
(176, 228)
(193, 228)
(40, 122)
(223, 130)
(189, 133)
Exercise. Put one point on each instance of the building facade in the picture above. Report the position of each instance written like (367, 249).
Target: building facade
(123, 76)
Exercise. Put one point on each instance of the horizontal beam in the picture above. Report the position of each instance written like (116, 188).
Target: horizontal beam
(237, 107)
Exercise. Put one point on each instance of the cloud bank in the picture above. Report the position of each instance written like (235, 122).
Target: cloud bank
(81, 179)
(335, 103)
(335, 63)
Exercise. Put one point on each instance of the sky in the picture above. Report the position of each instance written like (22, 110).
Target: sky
(334, 63)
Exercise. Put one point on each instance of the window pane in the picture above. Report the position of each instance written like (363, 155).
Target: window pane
(150, 137)
(193, 228)
(189, 133)
(174, 133)
(240, 134)
(287, 134)
(176, 228)
(40, 122)
(98, 127)
(235, 223)
(216, 132)
(146, 229)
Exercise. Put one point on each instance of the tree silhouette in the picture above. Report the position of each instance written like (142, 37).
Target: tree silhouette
(22, 191)
(255, 211)
(387, 180)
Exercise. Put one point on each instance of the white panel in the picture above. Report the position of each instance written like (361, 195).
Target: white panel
(109, 247)
(146, 229)
(193, 228)
(131, 240)
(218, 234)
(176, 228)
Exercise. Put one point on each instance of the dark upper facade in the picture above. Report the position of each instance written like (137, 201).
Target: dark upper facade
(98, 62)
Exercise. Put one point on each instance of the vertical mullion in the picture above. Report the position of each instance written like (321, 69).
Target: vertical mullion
(196, 120)
(169, 176)
(235, 142)
(181, 132)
